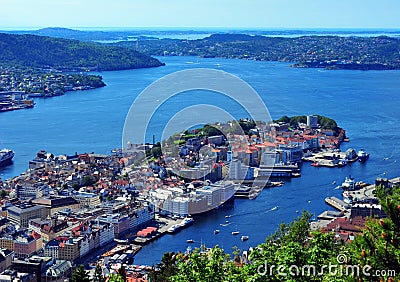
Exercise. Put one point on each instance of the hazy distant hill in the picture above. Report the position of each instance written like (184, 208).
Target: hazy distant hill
(42, 52)
(331, 52)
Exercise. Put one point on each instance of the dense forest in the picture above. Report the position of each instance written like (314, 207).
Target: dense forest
(331, 52)
(68, 55)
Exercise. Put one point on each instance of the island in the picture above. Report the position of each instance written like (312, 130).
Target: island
(329, 52)
(37, 66)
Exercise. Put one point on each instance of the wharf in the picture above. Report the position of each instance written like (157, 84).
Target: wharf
(337, 203)
(329, 215)
(167, 223)
(328, 159)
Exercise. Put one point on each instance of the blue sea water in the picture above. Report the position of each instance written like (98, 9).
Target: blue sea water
(365, 103)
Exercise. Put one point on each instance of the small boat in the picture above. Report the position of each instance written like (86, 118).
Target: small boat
(224, 224)
(190, 241)
(226, 221)
(316, 164)
(174, 228)
(334, 183)
(186, 221)
(362, 156)
(6, 156)
(348, 184)
(274, 208)
(216, 231)
(235, 232)
(244, 238)
(120, 241)
(227, 216)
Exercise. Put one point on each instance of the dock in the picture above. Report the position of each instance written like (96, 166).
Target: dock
(160, 232)
(329, 215)
(337, 203)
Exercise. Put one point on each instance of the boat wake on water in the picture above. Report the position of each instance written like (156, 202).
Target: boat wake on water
(272, 209)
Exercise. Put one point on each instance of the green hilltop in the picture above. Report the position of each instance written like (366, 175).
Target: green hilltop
(67, 55)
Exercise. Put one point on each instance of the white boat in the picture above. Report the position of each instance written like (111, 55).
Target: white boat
(235, 232)
(348, 184)
(362, 156)
(6, 156)
(174, 228)
(216, 231)
(186, 221)
(121, 241)
(274, 208)
(190, 241)
(244, 238)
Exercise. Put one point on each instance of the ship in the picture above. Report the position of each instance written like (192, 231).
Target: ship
(6, 156)
(186, 221)
(174, 228)
(348, 184)
(362, 155)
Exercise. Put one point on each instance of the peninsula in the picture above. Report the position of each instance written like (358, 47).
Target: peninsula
(330, 52)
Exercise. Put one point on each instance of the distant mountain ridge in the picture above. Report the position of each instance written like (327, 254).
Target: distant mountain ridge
(25, 50)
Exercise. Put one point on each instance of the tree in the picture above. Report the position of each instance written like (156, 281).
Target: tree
(116, 278)
(3, 194)
(80, 275)
(98, 274)
(88, 180)
(122, 272)
(378, 246)
(165, 269)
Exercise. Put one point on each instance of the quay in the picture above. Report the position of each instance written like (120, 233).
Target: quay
(166, 224)
(337, 203)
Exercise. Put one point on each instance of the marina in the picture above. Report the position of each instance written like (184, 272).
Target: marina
(305, 192)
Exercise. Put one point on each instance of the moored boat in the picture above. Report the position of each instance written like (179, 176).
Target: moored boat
(174, 228)
(244, 238)
(362, 155)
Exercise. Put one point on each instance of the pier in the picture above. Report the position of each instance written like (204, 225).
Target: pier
(337, 203)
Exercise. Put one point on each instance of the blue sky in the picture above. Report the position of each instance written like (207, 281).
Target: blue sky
(201, 13)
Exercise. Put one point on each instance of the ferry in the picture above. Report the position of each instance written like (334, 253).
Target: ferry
(6, 156)
(362, 155)
(348, 184)
(174, 228)
(244, 238)
(186, 221)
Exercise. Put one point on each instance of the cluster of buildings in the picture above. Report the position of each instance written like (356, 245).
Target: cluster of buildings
(14, 100)
(62, 208)
(17, 87)
(273, 149)
(358, 205)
